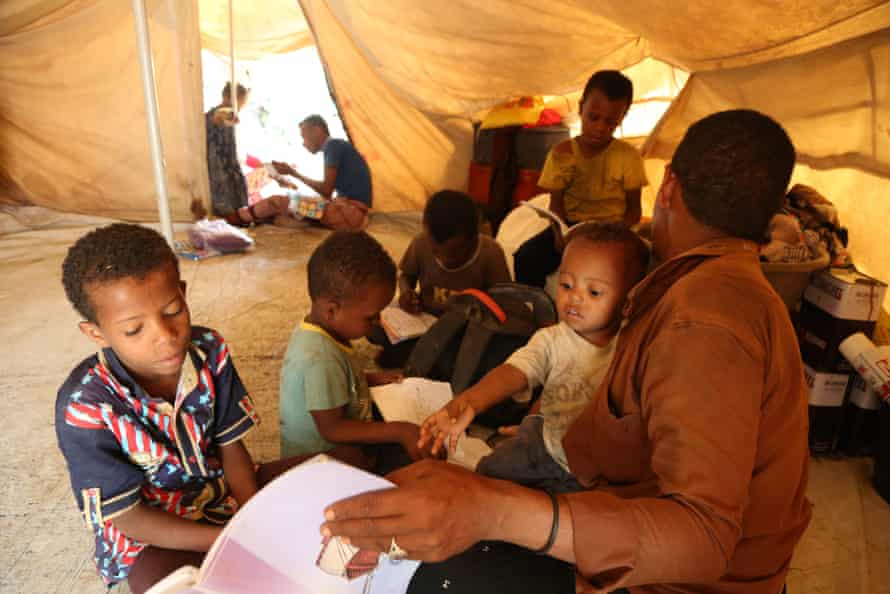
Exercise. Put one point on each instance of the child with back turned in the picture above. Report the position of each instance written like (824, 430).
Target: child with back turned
(151, 426)
(325, 401)
(600, 265)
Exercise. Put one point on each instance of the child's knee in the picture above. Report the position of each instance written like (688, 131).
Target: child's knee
(280, 203)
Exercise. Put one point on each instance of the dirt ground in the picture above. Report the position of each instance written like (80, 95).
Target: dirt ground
(254, 300)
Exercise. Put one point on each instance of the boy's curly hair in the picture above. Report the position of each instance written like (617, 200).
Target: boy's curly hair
(449, 214)
(734, 167)
(347, 262)
(636, 248)
(108, 254)
(610, 83)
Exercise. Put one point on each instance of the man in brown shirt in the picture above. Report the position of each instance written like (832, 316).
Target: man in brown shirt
(694, 447)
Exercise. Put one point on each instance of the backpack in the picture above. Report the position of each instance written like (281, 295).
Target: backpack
(479, 331)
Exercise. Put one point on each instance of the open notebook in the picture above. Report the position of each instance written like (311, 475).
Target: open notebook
(560, 228)
(413, 400)
(400, 325)
(273, 545)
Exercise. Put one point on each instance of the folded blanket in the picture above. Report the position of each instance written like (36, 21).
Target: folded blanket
(806, 228)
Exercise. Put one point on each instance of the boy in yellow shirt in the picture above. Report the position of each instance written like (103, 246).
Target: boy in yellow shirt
(592, 177)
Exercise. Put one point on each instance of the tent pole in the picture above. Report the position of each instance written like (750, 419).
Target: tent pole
(233, 89)
(150, 95)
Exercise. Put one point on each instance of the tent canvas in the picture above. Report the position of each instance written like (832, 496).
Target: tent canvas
(409, 79)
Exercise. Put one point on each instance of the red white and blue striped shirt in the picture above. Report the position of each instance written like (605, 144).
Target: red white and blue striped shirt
(124, 447)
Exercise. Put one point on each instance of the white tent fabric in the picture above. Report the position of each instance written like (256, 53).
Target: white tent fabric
(834, 102)
(270, 27)
(409, 78)
(73, 133)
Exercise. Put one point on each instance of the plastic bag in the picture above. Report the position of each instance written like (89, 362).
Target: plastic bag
(219, 236)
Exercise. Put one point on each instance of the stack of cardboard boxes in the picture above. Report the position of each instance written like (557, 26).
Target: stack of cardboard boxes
(843, 410)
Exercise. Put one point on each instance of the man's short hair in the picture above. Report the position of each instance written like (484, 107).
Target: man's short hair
(449, 214)
(733, 168)
(612, 84)
(346, 263)
(109, 254)
(637, 250)
(242, 90)
(317, 121)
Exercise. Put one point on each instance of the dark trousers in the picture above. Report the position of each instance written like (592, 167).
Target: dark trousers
(536, 259)
(524, 459)
(494, 567)
(393, 356)
(490, 567)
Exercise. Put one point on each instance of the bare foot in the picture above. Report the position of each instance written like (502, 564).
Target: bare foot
(198, 210)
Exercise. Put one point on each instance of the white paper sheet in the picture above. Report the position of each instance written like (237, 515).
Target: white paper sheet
(412, 400)
(272, 544)
(400, 325)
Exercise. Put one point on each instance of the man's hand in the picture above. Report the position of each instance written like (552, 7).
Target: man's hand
(284, 168)
(225, 116)
(438, 510)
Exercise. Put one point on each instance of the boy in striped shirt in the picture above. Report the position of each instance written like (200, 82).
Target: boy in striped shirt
(151, 426)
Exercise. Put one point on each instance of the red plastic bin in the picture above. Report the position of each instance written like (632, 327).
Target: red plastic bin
(479, 185)
(526, 185)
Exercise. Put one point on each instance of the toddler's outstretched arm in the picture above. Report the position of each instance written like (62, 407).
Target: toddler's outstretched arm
(452, 420)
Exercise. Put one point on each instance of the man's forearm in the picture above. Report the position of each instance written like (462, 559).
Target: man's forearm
(316, 185)
(525, 517)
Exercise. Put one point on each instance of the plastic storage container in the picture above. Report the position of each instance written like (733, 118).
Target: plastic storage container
(479, 185)
(526, 185)
(790, 280)
(533, 144)
(483, 150)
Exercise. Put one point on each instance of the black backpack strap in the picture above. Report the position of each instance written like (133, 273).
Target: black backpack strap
(431, 345)
(542, 307)
(474, 343)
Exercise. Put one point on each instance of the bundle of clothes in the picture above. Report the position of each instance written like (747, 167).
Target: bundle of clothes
(806, 228)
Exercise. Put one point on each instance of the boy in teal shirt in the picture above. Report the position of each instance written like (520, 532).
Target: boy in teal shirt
(325, 402)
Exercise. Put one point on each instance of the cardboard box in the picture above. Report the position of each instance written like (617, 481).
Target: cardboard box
(820, 333)
(825, 389)
(826, 393)
(846, 294)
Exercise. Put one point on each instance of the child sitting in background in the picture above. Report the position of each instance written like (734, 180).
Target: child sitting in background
(151, 426)
(600, 265)
(592, 177)
(450, 255)
(325, 402)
